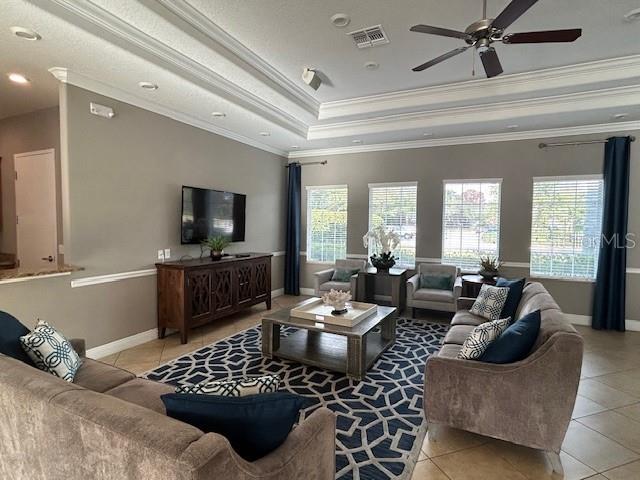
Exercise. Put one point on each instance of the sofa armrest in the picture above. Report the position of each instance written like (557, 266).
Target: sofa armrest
(413, 285)
(528, 402)
(79, 345)
(464, 303)
(308, 452)
(457, 289)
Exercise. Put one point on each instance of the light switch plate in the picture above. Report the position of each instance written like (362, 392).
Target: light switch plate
(161, 255)
(167, 253)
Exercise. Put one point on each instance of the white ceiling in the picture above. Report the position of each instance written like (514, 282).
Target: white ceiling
(245, 58)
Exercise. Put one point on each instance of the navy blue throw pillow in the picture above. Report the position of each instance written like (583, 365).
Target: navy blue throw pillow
(10, 332)
(516, 341)
(513, 297)
(254, 425)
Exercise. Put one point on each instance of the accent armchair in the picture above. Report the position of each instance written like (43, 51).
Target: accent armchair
(430, 298)
(323, 282)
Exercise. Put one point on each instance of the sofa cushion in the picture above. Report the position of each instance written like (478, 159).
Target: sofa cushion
(490, 302)
(458, 334)
(100, 377)
(343, 274)
(513, 297)
(145, 393)
(481, 337)
(10, 332)
(436, 282)
(236, 387)
(465, 317)
(515, 342)
(450, 350)
(254, 425)
(51, 352)
(344, 286)
(433, 295)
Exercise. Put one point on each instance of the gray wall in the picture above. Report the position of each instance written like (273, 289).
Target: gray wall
(121, 183)
(515, 162)
(25, 133)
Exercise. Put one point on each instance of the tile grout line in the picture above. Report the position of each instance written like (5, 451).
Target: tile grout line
(613, 440)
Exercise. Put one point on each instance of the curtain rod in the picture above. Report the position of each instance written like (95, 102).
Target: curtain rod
(586, 142)
(323, 162)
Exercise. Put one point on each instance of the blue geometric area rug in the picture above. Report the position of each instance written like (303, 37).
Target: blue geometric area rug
(380, 423)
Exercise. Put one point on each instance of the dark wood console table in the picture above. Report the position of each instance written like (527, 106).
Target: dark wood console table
(195, 292)
(368, 278)
(471, 284)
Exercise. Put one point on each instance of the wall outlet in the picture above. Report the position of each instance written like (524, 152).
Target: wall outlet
(161, 255)
(167, 253)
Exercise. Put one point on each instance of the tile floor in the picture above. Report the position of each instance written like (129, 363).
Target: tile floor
(603, 440)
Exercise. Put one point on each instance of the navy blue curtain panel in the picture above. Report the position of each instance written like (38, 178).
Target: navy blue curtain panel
(609, 294)
(292, 254)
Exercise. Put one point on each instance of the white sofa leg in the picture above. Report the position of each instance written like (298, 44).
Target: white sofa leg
(556, 463)
(432, 432)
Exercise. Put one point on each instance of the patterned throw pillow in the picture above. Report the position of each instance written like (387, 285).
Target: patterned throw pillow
(343, 274)
(490, 302)
(481, 337)
(51, 352)
(240, 387)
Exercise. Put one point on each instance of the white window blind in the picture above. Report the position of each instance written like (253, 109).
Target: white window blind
(470, 221)
(326, 223)
(394, 206)
(566, 225)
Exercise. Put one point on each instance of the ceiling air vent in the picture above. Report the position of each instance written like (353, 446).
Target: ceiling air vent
(369, 37)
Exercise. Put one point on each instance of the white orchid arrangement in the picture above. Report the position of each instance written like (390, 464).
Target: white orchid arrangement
(385, 240)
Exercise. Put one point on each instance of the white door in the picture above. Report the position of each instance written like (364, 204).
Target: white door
(36, 209)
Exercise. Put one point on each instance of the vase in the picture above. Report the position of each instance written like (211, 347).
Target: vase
(216, 254)
(487, 275)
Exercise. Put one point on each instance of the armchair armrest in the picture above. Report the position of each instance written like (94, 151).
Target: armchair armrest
(79, 345)
(321, 277)
(457, 289)
(413, 284)
(509, 401)
(464, 303)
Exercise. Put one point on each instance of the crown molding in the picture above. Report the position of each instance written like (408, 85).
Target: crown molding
(200, 22)
(168, 57)
(500, 111)
(571, 76)
(472, 139)
(72, 78)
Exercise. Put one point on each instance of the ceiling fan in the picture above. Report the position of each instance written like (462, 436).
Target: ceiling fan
(484, 32)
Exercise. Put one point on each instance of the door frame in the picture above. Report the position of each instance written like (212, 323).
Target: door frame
(55, 196)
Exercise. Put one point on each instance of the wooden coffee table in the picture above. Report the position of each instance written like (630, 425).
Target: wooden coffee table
(332, 347)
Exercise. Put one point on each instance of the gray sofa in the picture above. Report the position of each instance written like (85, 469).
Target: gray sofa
(432, 299)
(109, 424)
(529, 402)
(323, 282)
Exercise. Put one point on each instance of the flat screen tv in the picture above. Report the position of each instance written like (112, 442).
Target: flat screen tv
(210, 213)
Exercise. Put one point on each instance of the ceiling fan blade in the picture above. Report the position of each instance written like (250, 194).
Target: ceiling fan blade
(511, 13)
(546, 36)
(439, 59)
(491, 62)
(443, 32)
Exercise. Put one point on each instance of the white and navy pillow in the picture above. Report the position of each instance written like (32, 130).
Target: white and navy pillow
(481, 337)
(490, 302)
(240, 387)
(50, 351)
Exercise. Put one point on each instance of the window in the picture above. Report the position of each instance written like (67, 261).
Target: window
(394, 206)
(470, 221)
(326, 223)
(566, 224)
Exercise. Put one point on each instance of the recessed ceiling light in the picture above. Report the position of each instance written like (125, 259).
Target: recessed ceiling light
(371, 65)
(619, 116)
(356, 141)
(18, 78)
(148, 85)
(25, 33)
(512, 127)
(633, 15)
(218, 114)
(265, 134)
(340, 20)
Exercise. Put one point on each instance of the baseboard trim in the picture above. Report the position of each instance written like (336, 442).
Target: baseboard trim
(307, 291)
(277, 293)
(122, 344)
(585, 320)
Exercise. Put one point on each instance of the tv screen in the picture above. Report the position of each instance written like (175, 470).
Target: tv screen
(211, 213)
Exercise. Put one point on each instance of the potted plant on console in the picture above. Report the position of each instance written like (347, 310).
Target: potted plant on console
(489, 267)
(216, 246)
(385, 242)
